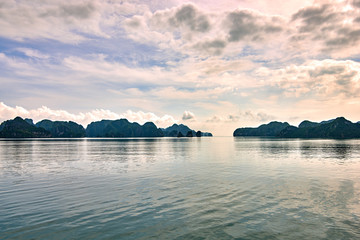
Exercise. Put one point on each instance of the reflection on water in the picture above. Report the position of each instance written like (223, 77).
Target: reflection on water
(338, 150)
(179, 188)
(334, 150)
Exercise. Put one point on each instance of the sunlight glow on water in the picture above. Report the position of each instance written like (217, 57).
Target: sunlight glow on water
(188, 188)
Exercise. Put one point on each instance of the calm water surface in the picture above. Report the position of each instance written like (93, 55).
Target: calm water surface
(188, 188)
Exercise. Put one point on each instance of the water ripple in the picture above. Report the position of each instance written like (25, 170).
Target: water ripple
(209, 188)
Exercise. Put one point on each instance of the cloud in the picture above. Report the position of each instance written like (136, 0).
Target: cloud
(33, 53)
(254, 116)
(189, 17)
(7, 112)
(243, 116)
(322, 28)
(16, 65)
(228, 118)
(187, 28)
(169, 97)
(317, 79)
(188, 116)
(214, 47)
(142, 117)
(67, 22)
(100, 69)
(75, 78)
(251, 26)
(312, 17)
(172, 93)
(356, 3)
(327, 28)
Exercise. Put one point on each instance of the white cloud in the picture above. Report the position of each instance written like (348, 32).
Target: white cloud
(33, 53)
(15, 64)
(187, 28)
(142, 117)
(99, 69)
(64, 21)
(328, 28)
(275, 7)
(172, 93)
(188, 116)
(212, 77)
(202, 29)
(305, 29)
(242, 116)
(317, 79)
(7, 112)
(25, 20)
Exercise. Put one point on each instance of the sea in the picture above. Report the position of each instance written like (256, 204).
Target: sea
(179, 188)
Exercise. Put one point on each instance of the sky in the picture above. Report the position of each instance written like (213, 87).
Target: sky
(212, 65)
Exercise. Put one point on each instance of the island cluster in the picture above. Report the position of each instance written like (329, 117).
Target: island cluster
(340, 128)
(26, 128)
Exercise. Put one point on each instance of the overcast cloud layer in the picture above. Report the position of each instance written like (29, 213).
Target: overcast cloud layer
(213, 65)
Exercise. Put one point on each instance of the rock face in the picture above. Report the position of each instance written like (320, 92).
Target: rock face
(122, 128)
(175, 129)
(271, 129)
(19, 128)
(339, 128)
(63, 129)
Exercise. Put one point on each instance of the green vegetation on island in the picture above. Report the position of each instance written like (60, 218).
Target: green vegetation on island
(25, 128)
(339, 128)
(176, 129)
(122, 128)
(19, 128)
(62, 129)
(271, 129)
(189, 134)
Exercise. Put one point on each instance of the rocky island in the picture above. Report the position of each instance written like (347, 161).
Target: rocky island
(62, 129)
(180, 130)
(25, 128)
(339, 128)
(122, 128)
(20, 128)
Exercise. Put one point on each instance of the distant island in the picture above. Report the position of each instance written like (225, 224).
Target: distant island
(339, 128)
(177, 130)
(122, 128)
(25, 128)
